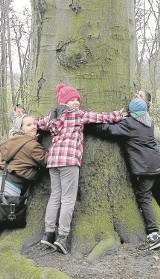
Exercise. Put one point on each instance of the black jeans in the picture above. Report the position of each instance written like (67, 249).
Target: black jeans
(143, 186)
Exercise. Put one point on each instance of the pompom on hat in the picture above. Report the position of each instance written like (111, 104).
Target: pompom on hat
(66, 93)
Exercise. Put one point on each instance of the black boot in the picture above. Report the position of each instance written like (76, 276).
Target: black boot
(61, 243)
(48, 239)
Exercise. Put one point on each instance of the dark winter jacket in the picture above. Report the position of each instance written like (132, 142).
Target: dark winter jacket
(138, 138)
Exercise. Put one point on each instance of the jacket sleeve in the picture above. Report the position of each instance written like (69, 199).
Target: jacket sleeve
(121, 129)
(47, 124)
(39, 155)
(101, 117)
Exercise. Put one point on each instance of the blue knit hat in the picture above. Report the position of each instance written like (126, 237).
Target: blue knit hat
(137, 107)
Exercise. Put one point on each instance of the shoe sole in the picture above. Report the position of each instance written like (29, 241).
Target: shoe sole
(155, 246)
(49, 244)
(61, 247)
(150, 248)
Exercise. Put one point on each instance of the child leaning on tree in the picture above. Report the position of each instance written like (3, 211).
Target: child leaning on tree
(64, 160)
(143, 156)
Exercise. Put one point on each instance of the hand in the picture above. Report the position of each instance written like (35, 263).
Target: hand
(97, 127)
(53, 114)
(2, 164)
(124, 114)
(58, 111)
(62, 108)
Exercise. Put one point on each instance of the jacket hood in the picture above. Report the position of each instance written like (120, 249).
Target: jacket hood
(10, 147)
(144, 119)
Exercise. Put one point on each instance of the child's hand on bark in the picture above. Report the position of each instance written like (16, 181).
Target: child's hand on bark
(124, 114)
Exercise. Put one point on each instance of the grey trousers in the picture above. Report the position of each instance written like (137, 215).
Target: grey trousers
(64, 187)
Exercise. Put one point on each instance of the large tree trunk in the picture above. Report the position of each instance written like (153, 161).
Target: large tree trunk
(87, 44)
(91, 46)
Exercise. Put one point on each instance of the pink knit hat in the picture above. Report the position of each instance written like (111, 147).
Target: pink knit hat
(66, 93)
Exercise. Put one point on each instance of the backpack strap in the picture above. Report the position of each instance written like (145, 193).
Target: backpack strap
(3, 178)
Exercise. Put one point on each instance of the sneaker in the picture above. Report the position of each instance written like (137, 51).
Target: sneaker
(61, 243)
(152, 242)
(48, 239)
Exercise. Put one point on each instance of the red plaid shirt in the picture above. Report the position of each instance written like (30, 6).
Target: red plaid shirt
(67, 134)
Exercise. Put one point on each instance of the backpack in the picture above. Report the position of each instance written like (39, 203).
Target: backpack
(12, 209)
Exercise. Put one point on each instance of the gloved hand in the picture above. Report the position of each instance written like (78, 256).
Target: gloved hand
(59, 110)
(98, 128)
(53, 114)
(102, 129)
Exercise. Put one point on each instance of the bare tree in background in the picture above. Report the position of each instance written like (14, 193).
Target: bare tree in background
(10, 52)
(147, 14)
(14, 42)
(21, 40)
(3, 70)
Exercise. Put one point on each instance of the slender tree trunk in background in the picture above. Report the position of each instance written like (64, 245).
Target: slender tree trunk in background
(3, 74)
(10, 54)
(18, 36)
(90, 45)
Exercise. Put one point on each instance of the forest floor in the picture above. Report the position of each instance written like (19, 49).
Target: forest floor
(125, 262)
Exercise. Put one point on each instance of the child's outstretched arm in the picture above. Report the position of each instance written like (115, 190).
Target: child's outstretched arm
(103, 117)
(55, 118)
(47, 124)
(121, 129)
